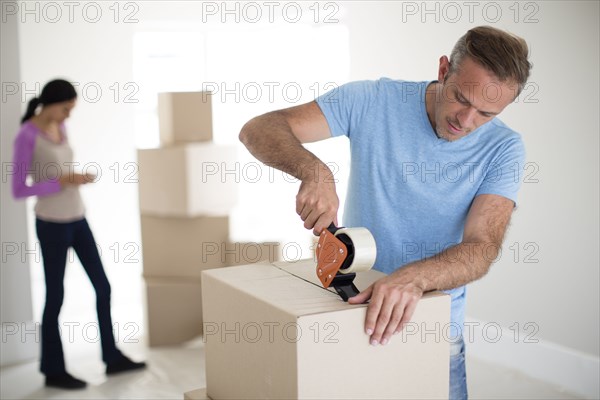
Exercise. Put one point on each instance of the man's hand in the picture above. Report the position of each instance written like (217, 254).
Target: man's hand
(317, 202)
(394, 299)
(276, 139)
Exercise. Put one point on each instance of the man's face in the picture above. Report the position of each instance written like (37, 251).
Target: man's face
(468, 98)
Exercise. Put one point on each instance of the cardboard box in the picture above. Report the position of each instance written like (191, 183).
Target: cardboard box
(272, 332)
(243, 253)
(182, 247)
(175, 247)
(198, 394)
(188, 180)
(185, 117)
(174, 311)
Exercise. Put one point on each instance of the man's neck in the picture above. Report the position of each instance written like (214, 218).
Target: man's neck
(431, 94)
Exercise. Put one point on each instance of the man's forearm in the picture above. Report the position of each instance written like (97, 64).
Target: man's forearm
(270, 139)
(276, 139)
(451, 268)
(393, 298)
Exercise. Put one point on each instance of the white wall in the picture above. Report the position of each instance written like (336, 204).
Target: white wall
(97, 55)
(558, 214)
(556, 223)
(559, 123)
(18, 332)
(543, 290)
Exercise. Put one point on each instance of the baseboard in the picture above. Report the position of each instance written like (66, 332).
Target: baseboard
(569, 369)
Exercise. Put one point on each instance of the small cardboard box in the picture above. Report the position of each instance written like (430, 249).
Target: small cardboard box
(272, 332)
(174, 311)
(188, 180)
(179, 247)
(185, 117)
(198, 394)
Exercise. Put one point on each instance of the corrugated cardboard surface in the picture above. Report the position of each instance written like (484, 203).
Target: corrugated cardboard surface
(174, 311)
(176, 247)
(243, 253)
(271, 334)
(182, 247)
(198, 394)
(185, 117)
(162, 181)
(242, 361)
(188, 180)
(213, 177)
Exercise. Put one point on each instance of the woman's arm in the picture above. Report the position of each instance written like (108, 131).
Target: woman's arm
(23, 154)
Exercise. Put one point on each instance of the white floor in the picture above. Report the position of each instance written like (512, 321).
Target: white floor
(175, 370)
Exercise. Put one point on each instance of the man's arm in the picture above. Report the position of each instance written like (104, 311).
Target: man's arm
(276, 139)
(394, 297)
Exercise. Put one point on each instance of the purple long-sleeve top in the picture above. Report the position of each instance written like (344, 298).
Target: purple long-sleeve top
(38, 157)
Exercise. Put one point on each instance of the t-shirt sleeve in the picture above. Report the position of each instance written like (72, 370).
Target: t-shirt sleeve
(345, 106)
(23, 154)
(504, 174)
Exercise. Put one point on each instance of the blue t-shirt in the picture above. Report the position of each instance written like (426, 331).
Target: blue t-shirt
(411, 189)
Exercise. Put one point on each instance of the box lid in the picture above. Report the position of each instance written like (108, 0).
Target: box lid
(292, 287)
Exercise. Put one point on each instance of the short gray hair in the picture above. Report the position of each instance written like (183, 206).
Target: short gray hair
(500, 52)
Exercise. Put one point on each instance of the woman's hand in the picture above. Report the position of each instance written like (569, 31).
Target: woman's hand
(73, 179)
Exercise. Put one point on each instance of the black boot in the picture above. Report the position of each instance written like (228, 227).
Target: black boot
(122, 365)
(65, 381)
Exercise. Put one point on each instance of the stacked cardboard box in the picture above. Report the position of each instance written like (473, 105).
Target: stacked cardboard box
(276, 333)
(198, 394)
(185, 201)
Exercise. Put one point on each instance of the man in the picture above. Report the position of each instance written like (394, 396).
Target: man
(434, 175)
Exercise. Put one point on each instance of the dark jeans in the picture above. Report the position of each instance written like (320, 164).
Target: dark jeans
(55, 240)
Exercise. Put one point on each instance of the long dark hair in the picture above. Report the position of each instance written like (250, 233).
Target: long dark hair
(55, 91)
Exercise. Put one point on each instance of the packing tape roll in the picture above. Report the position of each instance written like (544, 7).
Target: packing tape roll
(365, 249)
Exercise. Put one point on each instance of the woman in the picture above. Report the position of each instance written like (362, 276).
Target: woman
(43, 152)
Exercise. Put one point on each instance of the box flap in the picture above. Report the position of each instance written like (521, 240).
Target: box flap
(306, 270)
(281, 288)
(292, 287)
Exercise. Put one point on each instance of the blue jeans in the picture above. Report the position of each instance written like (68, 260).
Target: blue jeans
(55, 240)
(458, 374)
